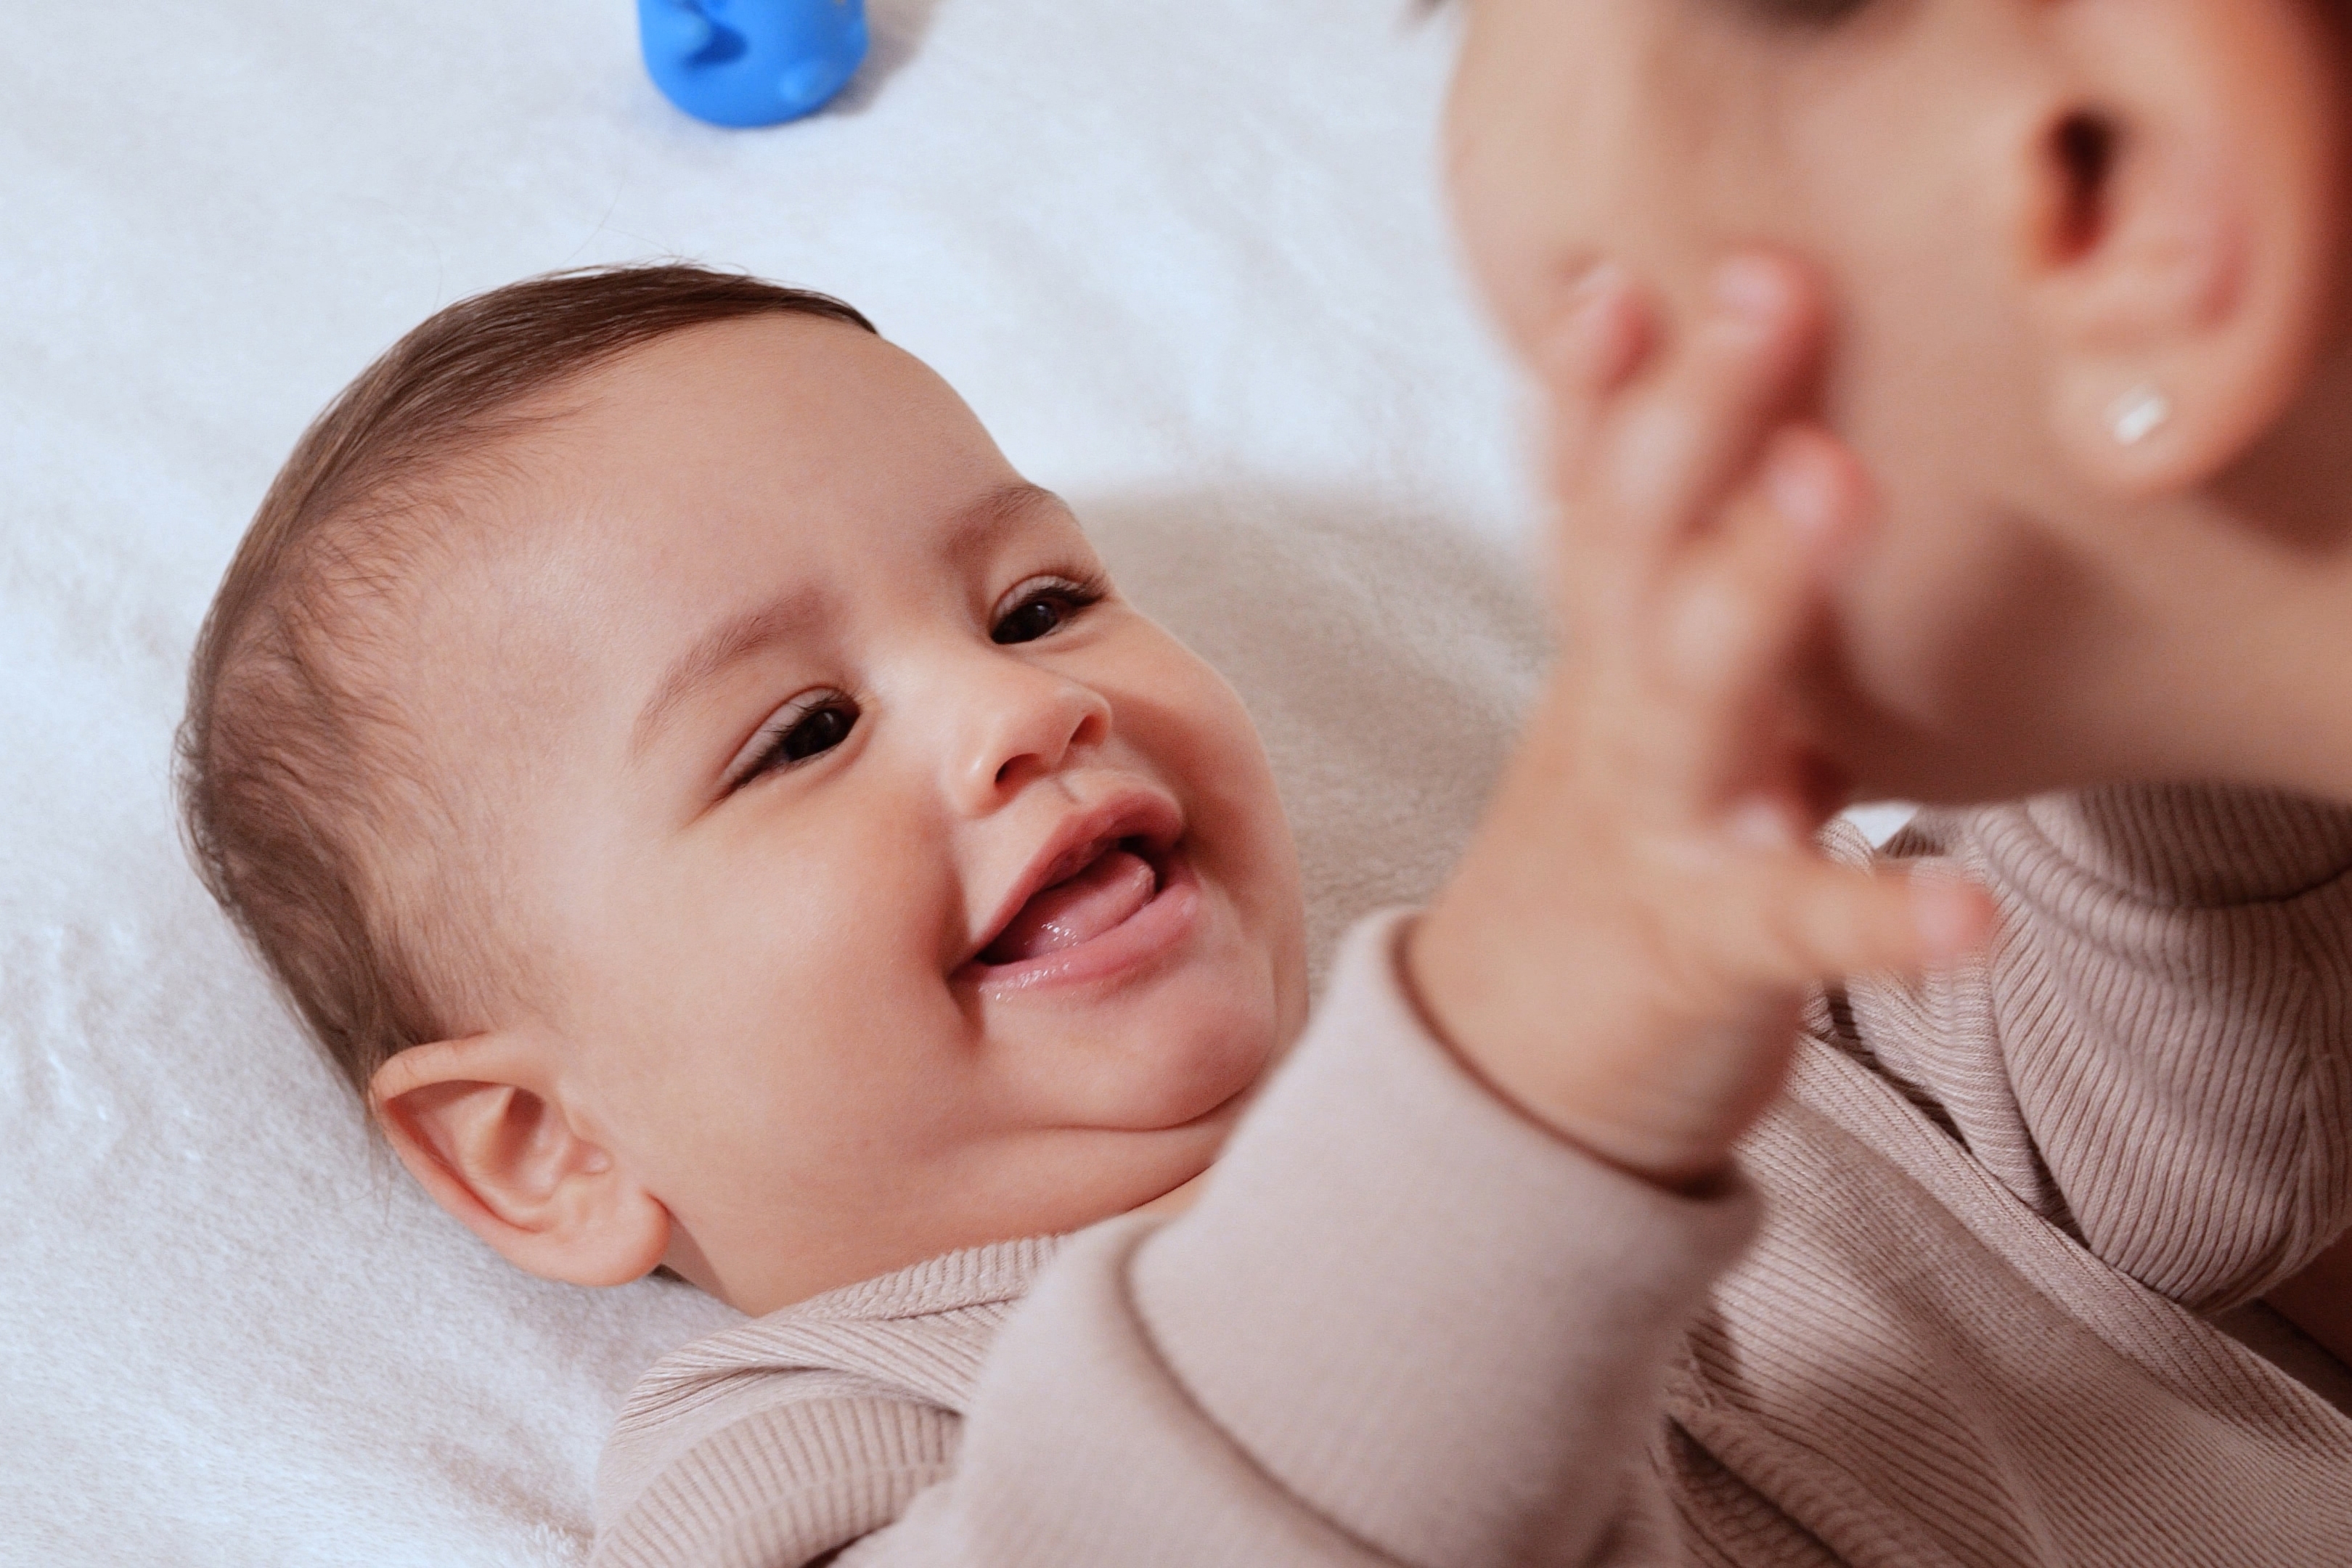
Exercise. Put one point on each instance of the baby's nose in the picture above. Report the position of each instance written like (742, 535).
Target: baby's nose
(1026, 724)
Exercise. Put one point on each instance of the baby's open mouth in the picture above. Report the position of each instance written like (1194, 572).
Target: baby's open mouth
(1105, 885)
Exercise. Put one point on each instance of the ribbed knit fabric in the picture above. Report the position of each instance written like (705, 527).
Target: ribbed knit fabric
(1406, 1327)
(2157, 1056)
(876, 1371)
(1964, 1336)
(1307, 1368)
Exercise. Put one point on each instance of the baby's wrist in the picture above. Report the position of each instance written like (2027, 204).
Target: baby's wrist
(1598, 1065)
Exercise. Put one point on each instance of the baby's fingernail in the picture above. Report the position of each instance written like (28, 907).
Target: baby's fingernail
(1752, 288)
(1820, 494)
(1802, 489)
(1952, 916)
(1757, 823)
(1593, 336)
(1594, 285)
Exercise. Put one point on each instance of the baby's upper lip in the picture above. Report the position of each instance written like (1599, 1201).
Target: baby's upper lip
(1131, 812)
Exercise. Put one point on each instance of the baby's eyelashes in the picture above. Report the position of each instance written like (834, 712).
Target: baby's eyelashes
(1042, 605)
(808, 726)
(819, 720)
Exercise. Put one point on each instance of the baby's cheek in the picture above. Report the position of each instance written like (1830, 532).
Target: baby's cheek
(1246, 839)
(786, 1073)
(1242, 762)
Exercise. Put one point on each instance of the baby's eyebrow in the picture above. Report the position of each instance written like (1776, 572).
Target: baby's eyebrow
(725, 645)
(755, 631)
(969, 529)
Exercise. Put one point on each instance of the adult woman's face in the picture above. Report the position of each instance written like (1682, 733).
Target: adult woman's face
(2010, 204)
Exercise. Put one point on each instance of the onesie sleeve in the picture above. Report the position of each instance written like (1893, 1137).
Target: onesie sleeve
(1404, 1326)
(2155, 1055)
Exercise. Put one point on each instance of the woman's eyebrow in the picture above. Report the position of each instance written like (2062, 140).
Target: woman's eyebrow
(725, 645)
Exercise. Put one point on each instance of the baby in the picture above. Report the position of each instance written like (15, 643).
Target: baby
(777, 855)
(723, 818)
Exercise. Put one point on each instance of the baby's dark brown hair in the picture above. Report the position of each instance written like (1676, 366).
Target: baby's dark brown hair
(288, 759)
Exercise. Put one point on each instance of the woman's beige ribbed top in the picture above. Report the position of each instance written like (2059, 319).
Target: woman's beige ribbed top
(1405, 1326)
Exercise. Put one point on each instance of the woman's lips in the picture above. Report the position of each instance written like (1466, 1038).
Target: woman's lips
(1119, 911)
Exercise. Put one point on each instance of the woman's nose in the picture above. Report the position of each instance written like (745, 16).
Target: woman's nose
(1022, 723)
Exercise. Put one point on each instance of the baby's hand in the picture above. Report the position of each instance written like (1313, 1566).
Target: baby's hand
(1625, 944)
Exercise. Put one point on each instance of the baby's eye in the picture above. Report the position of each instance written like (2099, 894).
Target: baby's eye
(821, 731)
(1044, 605)
(809, 728)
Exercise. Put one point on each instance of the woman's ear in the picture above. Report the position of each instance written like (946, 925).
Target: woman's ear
(2177, 224)
(481, 1123)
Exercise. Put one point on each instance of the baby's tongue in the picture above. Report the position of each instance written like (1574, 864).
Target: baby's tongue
(1099, 897)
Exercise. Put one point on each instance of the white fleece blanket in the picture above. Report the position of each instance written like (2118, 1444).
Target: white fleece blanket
(1185, 259)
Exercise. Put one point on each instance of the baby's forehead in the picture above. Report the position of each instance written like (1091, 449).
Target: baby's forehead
(806, 383)
(719, 473)
(742, 452)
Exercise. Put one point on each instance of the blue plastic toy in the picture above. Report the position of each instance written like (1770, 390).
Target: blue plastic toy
(751, 62)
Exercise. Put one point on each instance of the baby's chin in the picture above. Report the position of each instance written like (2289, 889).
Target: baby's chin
(1189, 1070)
(1180, 1040)
(1067, 1180)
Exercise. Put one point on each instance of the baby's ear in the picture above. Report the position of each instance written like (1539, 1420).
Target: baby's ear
(481, 1123)
(2172, 192)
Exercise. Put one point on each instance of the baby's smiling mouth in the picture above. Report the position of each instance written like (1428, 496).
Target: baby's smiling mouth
(1113, 880)
(1110, 890)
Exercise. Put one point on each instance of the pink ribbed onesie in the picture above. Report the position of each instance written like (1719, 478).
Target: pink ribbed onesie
(1970, 1321)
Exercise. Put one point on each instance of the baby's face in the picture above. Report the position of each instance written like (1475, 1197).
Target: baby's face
(889, 883)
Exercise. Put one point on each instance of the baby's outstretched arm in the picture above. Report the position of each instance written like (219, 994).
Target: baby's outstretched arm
(1648, 869)
(1422, 1312)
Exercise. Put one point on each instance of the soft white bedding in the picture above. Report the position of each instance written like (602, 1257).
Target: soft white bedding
(1184, 259)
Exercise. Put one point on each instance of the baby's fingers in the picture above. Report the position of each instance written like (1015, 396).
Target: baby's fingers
(1743, 608)
(1683, 440)
(1744, 617)
(1603, 334)
(1807, 921)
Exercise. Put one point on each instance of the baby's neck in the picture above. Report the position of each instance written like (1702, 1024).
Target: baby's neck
(1176, 1200)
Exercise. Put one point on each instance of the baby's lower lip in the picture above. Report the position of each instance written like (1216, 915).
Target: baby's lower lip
(1163, 920)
